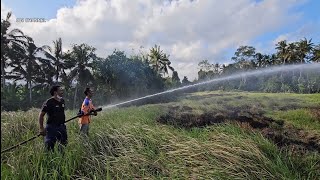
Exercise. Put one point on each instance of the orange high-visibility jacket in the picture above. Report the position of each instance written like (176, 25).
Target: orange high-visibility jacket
(86, 107)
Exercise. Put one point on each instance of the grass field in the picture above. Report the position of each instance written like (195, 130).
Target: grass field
(219, 135)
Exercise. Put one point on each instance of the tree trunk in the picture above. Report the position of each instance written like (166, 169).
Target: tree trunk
(75, 97)
(309, 89)
(157, 69)
(30, 92)
(3, 73)
(57, 73)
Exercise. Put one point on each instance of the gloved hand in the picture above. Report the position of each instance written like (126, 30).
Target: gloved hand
(94, 112)
(80, 113)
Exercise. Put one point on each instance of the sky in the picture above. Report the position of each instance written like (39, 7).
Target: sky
(188, 30)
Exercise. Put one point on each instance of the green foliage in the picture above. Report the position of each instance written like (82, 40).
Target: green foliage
(175, 79)
(244, 54)
(127, 77)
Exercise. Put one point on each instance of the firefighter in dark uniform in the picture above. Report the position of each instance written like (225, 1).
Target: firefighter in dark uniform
(55, 129)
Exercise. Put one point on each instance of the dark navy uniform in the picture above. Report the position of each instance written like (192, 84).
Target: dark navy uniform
(55, 127)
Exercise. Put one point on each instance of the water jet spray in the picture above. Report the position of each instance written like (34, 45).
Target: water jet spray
(230, 77)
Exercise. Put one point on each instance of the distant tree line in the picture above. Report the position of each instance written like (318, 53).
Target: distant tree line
(114, 78)
(118, 77)
(246, 58)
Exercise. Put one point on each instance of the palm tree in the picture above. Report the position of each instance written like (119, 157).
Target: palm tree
(80, 61)
(155, 55)
(259, 60)
(282, 51)
(273, 60)
(165, 64)
(14, 38)
(27, 67)
(159, 60)
(292, 53)
(304, 47)
(55, 58)
(283, 55)
(315, 57)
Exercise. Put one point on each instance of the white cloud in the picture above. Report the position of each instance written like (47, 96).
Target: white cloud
(281, 37)
(189, 31)
(4, 11)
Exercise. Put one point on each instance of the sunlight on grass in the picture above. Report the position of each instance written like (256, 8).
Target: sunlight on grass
(128, 143)
(300, 118)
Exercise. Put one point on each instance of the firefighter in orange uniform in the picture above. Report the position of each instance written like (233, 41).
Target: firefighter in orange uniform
(86, 108)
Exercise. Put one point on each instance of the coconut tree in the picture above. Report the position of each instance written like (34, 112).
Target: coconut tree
(165, 64)
(26, 66)
(304, 47)
(315, 57)
(159, 60)
(9, 39)
(282, 53)
(292, 53)
(259, 60)
(80, 62)
(54, 58)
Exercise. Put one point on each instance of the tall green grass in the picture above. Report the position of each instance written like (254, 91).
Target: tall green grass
(301, 118)
(128, 143)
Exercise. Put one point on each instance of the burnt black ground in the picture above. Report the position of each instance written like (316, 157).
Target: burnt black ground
(282, 134)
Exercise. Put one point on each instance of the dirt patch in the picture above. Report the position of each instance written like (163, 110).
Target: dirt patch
(289, 107)
(189, 120)
(197, 97)
(281, 134)
(297, 140)
(315, 112)
(186, 108)
(239, 97)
